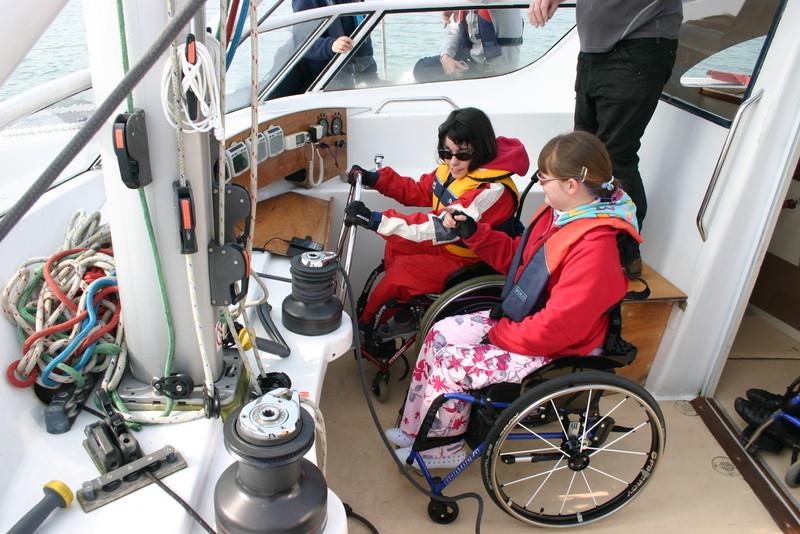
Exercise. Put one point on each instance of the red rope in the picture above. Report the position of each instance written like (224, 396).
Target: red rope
(231, 20)
(51, 283)
(68, 324)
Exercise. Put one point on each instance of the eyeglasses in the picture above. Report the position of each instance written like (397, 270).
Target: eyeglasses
(541, 178)
(462, 155)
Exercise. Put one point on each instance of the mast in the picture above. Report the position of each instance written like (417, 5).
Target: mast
(144, 316)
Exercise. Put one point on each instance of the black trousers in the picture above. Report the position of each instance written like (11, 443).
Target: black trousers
(616, 93)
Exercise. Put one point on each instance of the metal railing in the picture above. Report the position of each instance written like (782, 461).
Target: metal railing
(755, 97)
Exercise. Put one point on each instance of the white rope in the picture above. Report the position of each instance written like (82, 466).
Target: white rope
(83, 231)
(171, 81)
(316, 161)
(200, 79)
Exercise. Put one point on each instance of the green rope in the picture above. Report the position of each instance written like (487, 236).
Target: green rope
(149, 225)
(76, 375)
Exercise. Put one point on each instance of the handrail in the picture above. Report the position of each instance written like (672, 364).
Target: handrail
(755, 97)
(348, 234)
(415, 99)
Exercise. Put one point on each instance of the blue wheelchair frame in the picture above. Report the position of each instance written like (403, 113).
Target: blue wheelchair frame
(438, 484)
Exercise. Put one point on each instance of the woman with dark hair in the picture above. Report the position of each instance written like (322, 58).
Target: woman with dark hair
(563, 275)
(475, 174)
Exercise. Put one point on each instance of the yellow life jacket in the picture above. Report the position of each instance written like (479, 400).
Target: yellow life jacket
(447, 190)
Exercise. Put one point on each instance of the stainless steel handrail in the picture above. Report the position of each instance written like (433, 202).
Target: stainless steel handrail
(348, 234)
(755, 97)
(415, 99)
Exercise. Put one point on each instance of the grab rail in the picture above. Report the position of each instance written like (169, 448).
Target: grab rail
(348, 235)
(755, 97)
(415, 99)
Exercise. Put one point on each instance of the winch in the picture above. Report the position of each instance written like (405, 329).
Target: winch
(312, 309)
(271, 488)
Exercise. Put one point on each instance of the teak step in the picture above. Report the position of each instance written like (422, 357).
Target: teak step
(644, 321)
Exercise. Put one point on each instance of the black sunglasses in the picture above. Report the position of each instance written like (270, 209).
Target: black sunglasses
(462, 155)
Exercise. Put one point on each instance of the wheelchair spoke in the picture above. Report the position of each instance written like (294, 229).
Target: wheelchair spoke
(588, 487)
(537, 475)
(606, 449)
(608, 475)
(537, 436)
(626, 434)
(549, 474)
(620, 403)
(560, 422)
(569, 489)
(586, 418)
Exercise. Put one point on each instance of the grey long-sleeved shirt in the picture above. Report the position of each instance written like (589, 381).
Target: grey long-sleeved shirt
(604, 23)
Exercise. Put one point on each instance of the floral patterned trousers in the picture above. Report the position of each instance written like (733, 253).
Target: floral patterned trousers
(453, 360)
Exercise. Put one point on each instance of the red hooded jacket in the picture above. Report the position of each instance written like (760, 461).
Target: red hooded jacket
(581, 289)
(491, 203)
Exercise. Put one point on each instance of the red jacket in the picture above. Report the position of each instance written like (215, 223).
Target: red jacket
(491, 203)
(581, 289)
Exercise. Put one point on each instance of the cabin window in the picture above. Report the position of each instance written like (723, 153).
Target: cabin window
(275, 49)
(718, 55)
(401, 39)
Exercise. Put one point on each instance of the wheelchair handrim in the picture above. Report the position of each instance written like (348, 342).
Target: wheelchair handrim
(613, 504)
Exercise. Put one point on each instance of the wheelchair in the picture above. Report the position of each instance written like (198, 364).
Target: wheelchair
(573, 443)
(383, 350)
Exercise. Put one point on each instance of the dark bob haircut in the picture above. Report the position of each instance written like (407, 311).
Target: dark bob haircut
(470, 126)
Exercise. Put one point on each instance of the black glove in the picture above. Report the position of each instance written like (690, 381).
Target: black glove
(360, 215)
(368, 178)
(465, 228)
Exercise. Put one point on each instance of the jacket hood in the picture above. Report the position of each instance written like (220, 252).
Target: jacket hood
(511, 157)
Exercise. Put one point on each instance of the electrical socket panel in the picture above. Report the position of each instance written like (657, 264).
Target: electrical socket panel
(316, 132)
(295, 140)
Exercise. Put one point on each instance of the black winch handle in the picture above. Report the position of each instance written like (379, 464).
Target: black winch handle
(56, 495)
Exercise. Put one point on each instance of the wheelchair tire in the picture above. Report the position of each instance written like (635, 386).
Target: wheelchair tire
(477, 294)
(553, 471)
(441, 512)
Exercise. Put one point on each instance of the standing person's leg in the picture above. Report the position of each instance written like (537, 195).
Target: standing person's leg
(451, 360)
(616, 95)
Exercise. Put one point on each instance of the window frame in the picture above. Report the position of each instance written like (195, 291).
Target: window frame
(374, 11)
(718, 119)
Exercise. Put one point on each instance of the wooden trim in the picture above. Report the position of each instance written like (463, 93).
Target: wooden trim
(768, 490)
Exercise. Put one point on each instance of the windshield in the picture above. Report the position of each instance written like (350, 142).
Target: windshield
(275, 49)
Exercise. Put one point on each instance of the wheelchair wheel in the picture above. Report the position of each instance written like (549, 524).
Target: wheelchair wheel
(573, 450)
(441, 512)
(473, 295)
(380, 386)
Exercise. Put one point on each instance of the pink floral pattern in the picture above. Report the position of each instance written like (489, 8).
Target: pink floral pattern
(452, 360)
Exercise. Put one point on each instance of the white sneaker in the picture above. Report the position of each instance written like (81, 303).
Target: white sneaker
(398, 438)
(446, 462)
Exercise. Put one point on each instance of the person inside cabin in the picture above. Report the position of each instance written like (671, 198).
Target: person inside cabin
(475, 174)
(477, 43)
(334, 40)
(627, 51)
(563, 275)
